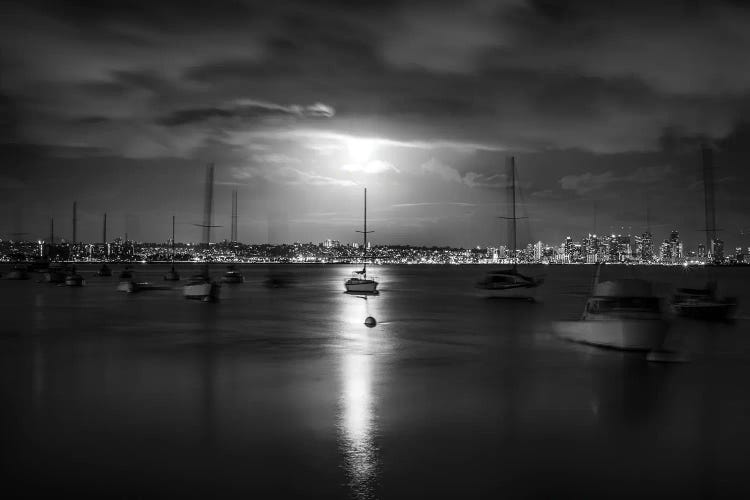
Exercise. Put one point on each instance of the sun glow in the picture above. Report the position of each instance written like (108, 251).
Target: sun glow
(360, 150)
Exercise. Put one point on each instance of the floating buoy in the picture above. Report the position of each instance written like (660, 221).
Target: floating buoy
(370, 321)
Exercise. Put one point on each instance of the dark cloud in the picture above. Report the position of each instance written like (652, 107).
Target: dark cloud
(599, 100)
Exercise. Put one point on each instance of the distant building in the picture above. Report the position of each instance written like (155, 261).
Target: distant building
(717, 250)
(675, 249)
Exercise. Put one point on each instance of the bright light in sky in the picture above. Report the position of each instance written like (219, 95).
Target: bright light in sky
(360, 150)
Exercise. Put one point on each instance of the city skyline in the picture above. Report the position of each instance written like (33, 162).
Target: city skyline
(301, 105)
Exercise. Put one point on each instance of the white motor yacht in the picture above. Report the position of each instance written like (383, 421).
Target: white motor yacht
(622, 314)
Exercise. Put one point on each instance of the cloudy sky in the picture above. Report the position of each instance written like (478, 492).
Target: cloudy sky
(302, 103)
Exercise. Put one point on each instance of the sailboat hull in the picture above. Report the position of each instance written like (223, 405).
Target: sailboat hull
(361, 286)
(201, 291)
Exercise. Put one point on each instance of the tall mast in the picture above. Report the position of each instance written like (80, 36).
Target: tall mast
(708, 192)
(364, 233)
(75, 220)
(51, 230)
(104, 230)
(513, 205)
(173, 242)
(233, 233)
(208, 210)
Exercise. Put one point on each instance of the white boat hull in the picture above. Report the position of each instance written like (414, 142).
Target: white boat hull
(628, 334)
(126, 286)
(74, 281)
(201, 291)
(361, 286)
(521, 292)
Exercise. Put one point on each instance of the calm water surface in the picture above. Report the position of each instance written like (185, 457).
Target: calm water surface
(285, 392)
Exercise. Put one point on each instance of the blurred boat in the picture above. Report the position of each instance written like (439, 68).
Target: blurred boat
(136, 286)
(703, 303)
(200, 286)
(18, 272)
(232, 276)
(359, 282)
(104, 271)
(55, 274)
(622, 314)
(509, 283)
(172, 275)
(127, 273)
(73, 278)
(279, 280)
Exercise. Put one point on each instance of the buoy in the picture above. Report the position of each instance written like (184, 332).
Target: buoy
(370, 321)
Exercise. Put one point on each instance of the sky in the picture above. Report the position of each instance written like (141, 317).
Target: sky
(301, 104)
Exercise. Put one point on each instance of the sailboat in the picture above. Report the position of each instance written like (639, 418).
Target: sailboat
(232, 275)
(510, 283)
(359, 282)
(172, 274)
(705, 303)
(200, 286)
(74, 278)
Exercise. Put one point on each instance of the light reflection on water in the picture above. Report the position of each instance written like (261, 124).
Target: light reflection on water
(357, 419)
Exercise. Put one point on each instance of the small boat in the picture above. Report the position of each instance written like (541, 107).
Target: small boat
(73, 278)
(139, 286)
(104, 271)
(172, 274)
(126, 274)
(232, 276)
(703, 303)
(200, 286)
(359, 282)
(18, 272)
(621, 314)
(55, 274)
(509, 283)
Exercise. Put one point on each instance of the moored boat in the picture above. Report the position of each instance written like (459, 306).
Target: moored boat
(232, 276)
(200, 286)
(703, 303)
(18, 272)
(359, 282)
(510, 283)
(55, 274)
(104, 271)
(73, 278)
(621, 314)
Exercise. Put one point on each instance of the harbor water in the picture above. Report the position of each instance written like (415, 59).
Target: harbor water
(282, 391)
